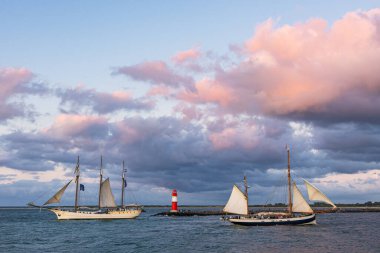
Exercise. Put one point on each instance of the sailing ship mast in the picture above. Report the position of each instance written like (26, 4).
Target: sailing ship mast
(122, 185)
(101, 179)
(290, 207)
(246, 191)
(299, 211)
(77, 185)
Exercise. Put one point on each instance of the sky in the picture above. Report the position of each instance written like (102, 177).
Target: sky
(192, 95)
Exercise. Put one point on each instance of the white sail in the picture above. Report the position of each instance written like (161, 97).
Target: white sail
(106, 197)
(237, 202)
(299, 203)
(57, 197)
(316, 195)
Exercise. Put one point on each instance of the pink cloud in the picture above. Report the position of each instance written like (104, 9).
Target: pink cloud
(303, 68)
(73, 125)
(155, 72)
(189, 112)
(313, 65)
(187, 55)
(15, 82)
(128, 134)
(237, 136)
(224, 139)
(160, 90)
(12, 80)
(121, 96)
(207, 91)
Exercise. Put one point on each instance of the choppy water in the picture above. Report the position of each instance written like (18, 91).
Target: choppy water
(29, 230)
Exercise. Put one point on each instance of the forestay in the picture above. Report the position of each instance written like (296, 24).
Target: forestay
(299, 203)
(237, 203)
(316, 195)
(57, 197)
(106, 197)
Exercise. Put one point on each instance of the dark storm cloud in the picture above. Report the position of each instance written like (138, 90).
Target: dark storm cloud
(39, 151)
(351, 144)
(354, 106)
(171, 153)
(166, 152)
(28, 151)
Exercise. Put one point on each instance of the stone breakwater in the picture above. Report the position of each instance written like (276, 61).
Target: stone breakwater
(220, 212)
(190, 213)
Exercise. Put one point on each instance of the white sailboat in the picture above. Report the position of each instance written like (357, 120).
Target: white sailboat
(317, 195)
(107, 208)
(299, 211)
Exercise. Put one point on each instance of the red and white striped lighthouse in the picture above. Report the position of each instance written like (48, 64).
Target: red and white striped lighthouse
(174, 201)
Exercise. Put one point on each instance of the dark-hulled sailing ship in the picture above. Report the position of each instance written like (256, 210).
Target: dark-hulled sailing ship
(299, 211)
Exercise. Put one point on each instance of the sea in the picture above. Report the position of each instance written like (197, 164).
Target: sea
(34, 230)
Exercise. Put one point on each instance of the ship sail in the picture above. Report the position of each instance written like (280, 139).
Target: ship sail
(316, 195)
(57, 197)
(106, 197)
(237, 202)
(299, 203)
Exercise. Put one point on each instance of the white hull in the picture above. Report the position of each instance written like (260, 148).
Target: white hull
(96, 215)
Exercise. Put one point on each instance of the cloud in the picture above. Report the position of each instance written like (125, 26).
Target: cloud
(11, 176)
(15, 82)
(311, 85)
(67, 137)
(164, 152)
(159, 91)
(244, 135)
(344, 186)
(349, 143)
(207, 91)
(72, 125)
(187, 55)
(155, 72)
(101, 102)
(168, 152)
(307, 71)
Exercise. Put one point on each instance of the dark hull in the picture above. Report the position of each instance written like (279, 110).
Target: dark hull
(304, 220)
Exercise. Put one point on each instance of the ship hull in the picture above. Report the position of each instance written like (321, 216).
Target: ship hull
(96, 215)
(301, 220)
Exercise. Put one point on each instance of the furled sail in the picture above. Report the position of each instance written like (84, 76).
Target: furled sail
(237, 202)
(106, 197)
(316, 195)
(57, 197)
(299, 203)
